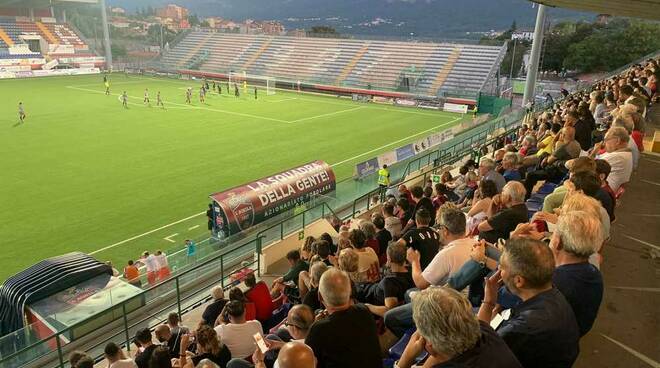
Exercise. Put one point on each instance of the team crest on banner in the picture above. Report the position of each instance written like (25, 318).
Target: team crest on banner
(242, 208)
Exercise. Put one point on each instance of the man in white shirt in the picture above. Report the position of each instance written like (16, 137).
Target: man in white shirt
(450, 258)
(238, 334)
(618, 155)
(116, 358)
(151, 262)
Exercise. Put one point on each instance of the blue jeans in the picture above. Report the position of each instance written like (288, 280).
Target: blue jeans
(399, 319)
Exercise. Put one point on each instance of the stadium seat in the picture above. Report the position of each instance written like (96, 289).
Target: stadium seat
(396, 351)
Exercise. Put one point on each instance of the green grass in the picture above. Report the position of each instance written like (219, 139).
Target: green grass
(82, 173)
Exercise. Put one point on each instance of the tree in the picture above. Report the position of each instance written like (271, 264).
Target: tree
(193, 20)
(521, 48)
(205, 24)
(118, 50)
(613, 46)
(322, 31)
(514, 26)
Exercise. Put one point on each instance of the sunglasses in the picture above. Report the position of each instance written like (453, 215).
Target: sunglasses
(287, 324)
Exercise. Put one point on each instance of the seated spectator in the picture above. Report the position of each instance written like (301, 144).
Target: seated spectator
(392, 223)
(510, 164)
(458, 185)
(167, 339)
(213, 310)
(632, 146)
(290, 278)
(160, 358)
(528, 146)
(259, 294)
(421, 202)
(345, 334)
(116, 357)
(553, 167)
(86, 362)
(603, 170)
(507, 210)
(389, 292)
(348, 262)
(306, 248)
(210, 347)
(584, 126)
(555, 199)
(146, 347)
(76, 356)
(383, 236)
(487, 172)
(448, 330)
(291, 355)
(577, 236)
(238, 334)
(405, 194)
(454, 253)
(422, 238)
(311, 297)
(479, 210)
(589, 184)
(617, 154)
(440, 196)
(369, 231)
(368, 265)
(542, 330)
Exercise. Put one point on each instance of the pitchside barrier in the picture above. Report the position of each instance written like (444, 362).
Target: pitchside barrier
(217, 260)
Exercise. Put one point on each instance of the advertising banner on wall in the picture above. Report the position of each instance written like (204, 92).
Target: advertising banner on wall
(239, 208)
(405, 152)
(367, 168)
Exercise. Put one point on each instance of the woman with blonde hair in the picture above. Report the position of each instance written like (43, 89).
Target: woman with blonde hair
(208, 347)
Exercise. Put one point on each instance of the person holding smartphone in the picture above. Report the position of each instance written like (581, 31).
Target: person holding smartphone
(209, 347)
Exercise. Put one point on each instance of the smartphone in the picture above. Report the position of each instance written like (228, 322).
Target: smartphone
(260, 343)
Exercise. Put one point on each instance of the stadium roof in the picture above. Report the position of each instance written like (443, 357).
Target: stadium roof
(649, 9)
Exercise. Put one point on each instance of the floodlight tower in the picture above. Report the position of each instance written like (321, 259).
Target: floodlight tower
(106, 36)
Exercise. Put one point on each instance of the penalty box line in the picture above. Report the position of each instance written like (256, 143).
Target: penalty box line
(333, 165)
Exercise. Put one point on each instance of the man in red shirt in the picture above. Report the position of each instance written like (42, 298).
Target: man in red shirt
(259, 294)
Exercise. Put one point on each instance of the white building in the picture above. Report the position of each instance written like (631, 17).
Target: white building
(523, 35)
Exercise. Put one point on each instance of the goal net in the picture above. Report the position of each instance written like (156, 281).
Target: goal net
(270, 87)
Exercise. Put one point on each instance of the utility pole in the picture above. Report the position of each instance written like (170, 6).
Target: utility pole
(106, 36)
(530, 84)
(513, 59)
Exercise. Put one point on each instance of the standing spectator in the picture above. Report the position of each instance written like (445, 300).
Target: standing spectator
(115, 357)
(383, 236)
(421, 202)
(163, 266)
(618, 155)
(345, 335)
(542, 330)
(213, 310)
(507, 210)
(422, 238)
(152, 267)
(403, 211)
(487, 172)
(147, 347)
(259, 294)
(191, 250)
(238, 334)
(115, 273)
(209, 218)
(383, 181)
(452, 335)
(392, 223)
(132, 274)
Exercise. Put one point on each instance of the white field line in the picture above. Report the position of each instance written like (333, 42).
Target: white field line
(395, 142)
(193, 227)
(147, 233)
(282, 100)
(194, 107)
(168, 238)
(328, 114)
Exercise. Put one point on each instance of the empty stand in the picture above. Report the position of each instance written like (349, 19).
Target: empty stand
(351, 63)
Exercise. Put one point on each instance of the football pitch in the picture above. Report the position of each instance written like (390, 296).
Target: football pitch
(84, 174)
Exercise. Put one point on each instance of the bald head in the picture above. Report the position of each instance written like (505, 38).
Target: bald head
(296, 355)
(335, 288)
(163, 333)
(300, 320)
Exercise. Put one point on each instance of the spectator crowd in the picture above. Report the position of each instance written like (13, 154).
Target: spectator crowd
(497, 265)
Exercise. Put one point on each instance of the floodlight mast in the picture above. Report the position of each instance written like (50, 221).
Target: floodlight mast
(106, 36)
